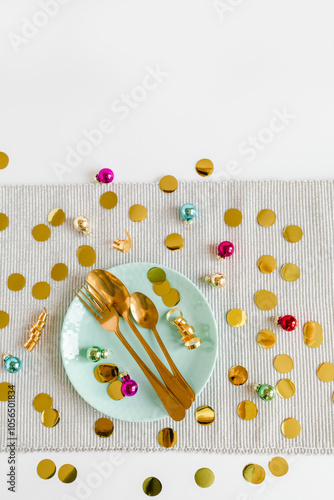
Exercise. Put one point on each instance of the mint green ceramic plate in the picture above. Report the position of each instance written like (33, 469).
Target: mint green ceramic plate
(81, 330)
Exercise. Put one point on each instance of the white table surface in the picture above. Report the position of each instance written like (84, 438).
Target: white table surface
(197, 79)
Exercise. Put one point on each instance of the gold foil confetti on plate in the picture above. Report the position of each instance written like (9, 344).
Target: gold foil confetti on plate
(156, 275)
(161, 288)
(293, 234)
(86, 255)
(204, 167)
(41, 290)
(325, 372)
(41, 232)
(205, 415)
(46, 469)
(115, 390)
(152, 486)
(265, 300)
(167, 437)
(266, 218)
(104, 427)
(291, 428)
(313, 334)
(56, 217)
(278, 466)
(108, 200)
(172, 298)
(4, 221)
(138, 213)
(4, 160)
(204, 477)
(290, 272)
(233, 217)
(247, 410)
(42, 402)
(107, 372)
(16, 282)
(50, 417)
(285, 388)
(238, 375)
(174, 242)
(59, 272)
(283, 363)
(266, 339)
(67, 473)
(6, 390)
(168, 184)
(236, 318)
(254, 473)
(4, 319)
(267, 264)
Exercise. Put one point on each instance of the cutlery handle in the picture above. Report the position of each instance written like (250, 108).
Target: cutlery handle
(172, 405)
(174, 385)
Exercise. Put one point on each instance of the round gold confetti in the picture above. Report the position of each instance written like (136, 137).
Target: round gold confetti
(106, 372)
(6, 391)
(247, 410)
(4, 221)
(285, 388)
(204, 167)
(59, 272)
(293, 234)
(46, 469)
(266, 339)
(172, 298)
(104, 427)
(167, 437)
(283, 363)
(161, 289)
(236, 318)
(4, 319)
(56, 217)
(290, 272)
(156, 275)
(265, 300)
(138, 213)
(204, 477)
(238, 375)
(108, 200)
(233, 217)
(67, 473)
(205, 415)
(313, 334)
(267, 264)
(50, 417)
(115, 390)
(86, 255)
(291, 428)
(325, 372)
(278, 466)
(254, 473)
(266, 218)
(41, 232)
(152, 486)
(168, 184)
(42, 402)
(4, 160)
(313, 343)
(41, 290)
(16, 282)
(174, 242)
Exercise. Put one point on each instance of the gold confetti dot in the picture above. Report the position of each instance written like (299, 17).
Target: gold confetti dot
(247, 410)
(16, 282)
(138, 213)
(278, 466)
(86, 255)
(67, 473)
(326, 372)
(238, 375)
(265, 300)
(204, 477)
(108, 200)
(4, 221)
(115, 390)
(56, 217)
(41, 232)
(161, 289)
(4, 319)
(283, 363)
(233, 217)
(313, 343)
(167, 437)
(59, 272)
(168, 184)
(254, 473)
(41, 290)
(156, 275)
(290, 272)
(42, 402)
(106, 372)
(152, 486)
(266, 218)
(285, 388)
(6, 391)
(236, 318)
(313, 334)
(172, 298)
(205, 415)
(4, 160)
(104, 427)
(293, 234)
(204, 167)
(266, 339)
(174, 242)
(50, 417)
(291, 428)
(267, 264)
(46, 469)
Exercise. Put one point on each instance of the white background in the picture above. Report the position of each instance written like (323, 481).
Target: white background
(227, 70)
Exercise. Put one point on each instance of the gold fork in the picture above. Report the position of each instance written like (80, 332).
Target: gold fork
(109, 320)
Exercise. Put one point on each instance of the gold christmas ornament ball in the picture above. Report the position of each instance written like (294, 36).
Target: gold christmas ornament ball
(82, 224)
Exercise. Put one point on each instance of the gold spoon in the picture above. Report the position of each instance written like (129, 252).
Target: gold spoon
(147, 316)
(117, 295)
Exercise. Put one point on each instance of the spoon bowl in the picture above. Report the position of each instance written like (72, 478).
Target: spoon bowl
(144, 311)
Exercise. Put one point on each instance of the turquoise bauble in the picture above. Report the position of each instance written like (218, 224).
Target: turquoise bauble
(265, 391)
(188, 212)
(12, 363)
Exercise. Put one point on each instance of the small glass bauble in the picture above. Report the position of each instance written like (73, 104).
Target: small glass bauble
(12, 363)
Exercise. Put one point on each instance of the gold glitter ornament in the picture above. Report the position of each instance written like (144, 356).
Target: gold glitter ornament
(266, 339)
(247, 410)
(42, 402)
(104, 427)
(168, 184)
(233, 217)
(174, 242)
(50, 417)
(167, 437)
(236, 318)
(16, 282)
(217, 280)
(152, 487)
(86, 255)
(4, 221)
(283, 363)
(266, 218)
(138, 213)
(278, 466)
(4, 160)
(267, 264)
(205, 415)
(67, 473)
(82, 224)
(41, 290)
(290, 272)
(56, 217)
(293, 234)
(254, 473)
(41, 232)
(204, 167)
(46, 469)
(325, 372)
(204, 478)
(4, 319)
(238, 375)
(265, 300)
(285, 388)
(291, 428)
